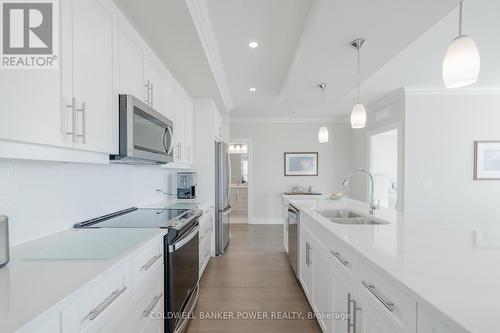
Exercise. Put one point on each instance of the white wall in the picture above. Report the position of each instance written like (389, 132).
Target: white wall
(383, 115)
(271, 140)
(41, 198)
(440, 133)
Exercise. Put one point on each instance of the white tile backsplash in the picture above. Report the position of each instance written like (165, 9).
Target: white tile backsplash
(41, 198)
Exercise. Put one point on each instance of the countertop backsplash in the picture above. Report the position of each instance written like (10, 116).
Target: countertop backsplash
(41, 198)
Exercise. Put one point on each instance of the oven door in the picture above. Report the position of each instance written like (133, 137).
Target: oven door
(149, 135)
(182, 279)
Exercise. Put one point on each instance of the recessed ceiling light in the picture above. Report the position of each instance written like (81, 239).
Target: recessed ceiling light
(253, 89)
(253, 45)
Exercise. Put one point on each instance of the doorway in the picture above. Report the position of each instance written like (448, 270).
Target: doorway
(239, 199)
(383, 157)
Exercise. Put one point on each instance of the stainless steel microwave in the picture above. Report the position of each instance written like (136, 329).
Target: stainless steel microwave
(146, 136)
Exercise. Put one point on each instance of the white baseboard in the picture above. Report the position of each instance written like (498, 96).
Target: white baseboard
(265, 220)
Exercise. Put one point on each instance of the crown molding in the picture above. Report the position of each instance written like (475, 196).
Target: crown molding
(287, 121)
(443, 91)
(202, 24)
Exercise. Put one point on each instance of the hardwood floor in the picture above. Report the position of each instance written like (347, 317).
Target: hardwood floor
(253, 277)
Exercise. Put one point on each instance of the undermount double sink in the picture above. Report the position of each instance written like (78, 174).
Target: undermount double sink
(344, 216)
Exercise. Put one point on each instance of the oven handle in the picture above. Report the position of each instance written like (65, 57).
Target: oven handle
(174, 247)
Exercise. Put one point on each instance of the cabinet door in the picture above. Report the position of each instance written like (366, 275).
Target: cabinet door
(371, 321)
(179, 125)
(93, 75)
(188, 130)
(153, 77)
(306, 263)
(168, 98)
(131, 64)
(323, 287)
(218, 128)
(428, 323)
(32, 107)
(342, 300)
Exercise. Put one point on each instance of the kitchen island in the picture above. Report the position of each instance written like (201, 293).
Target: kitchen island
(405, 276)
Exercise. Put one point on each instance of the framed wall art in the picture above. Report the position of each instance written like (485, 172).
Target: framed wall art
(301, 164)
(487, 160)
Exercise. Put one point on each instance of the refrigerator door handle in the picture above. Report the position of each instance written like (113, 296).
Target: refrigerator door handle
(228, 177)
(226, 211)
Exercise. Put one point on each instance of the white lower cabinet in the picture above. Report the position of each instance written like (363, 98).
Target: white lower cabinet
(205, 236)
(371, 321)
(98, 303)
(128, 297)
(306, 263)
(142, 313)
(429, 323)
(323, 288)
(348, 294)
(343, 294)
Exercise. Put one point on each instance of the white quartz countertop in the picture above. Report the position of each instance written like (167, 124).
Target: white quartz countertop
(30, 287)
(454, 271)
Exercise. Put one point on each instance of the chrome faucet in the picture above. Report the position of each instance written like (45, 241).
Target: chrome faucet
(371, 204)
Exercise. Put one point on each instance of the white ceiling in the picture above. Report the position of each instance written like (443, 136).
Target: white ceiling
(305, 42)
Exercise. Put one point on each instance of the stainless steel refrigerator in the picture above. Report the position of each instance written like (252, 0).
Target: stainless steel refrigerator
(222, 194)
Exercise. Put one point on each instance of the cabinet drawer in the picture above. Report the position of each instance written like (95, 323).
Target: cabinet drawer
(344, 260)
(149, 258)
(99, 302)
(144, 308)
(382, 295)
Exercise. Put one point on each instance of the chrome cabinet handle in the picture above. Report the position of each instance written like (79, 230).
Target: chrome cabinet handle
(84, 129)
(308, 255)
(150, 262)
(147, 98)
(349, 300)
(107, 302)
(385, 302)
(337, 256)
(73, 111)
(151, 94)
(151, 305)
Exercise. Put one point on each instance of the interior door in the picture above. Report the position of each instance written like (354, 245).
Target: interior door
(93, 75)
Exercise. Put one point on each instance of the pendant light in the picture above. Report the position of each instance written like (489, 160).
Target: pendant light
(462, 61)
(358, 113)
(323, 130)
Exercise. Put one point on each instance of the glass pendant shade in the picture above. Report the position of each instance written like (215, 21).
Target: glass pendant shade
(461, 63)
(323, 134)
(358, 116)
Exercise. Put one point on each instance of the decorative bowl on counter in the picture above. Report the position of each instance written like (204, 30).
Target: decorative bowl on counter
(336, 195)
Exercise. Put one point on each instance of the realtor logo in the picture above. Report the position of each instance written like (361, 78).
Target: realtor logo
(29, 34)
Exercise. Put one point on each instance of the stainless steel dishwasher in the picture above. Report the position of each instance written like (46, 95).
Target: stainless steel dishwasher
(293, 238)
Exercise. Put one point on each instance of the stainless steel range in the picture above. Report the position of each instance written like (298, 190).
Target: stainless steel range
(180, 255)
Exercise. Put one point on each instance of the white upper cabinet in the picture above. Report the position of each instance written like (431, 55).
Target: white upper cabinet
(76, 106)
(168, 98)
(179, 125)
(131, 63)
(89, 90)
(37, 119)
(188, 130)
(152, 83)
(218, 127)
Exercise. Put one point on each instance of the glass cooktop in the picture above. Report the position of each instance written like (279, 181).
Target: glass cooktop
(139, 218)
